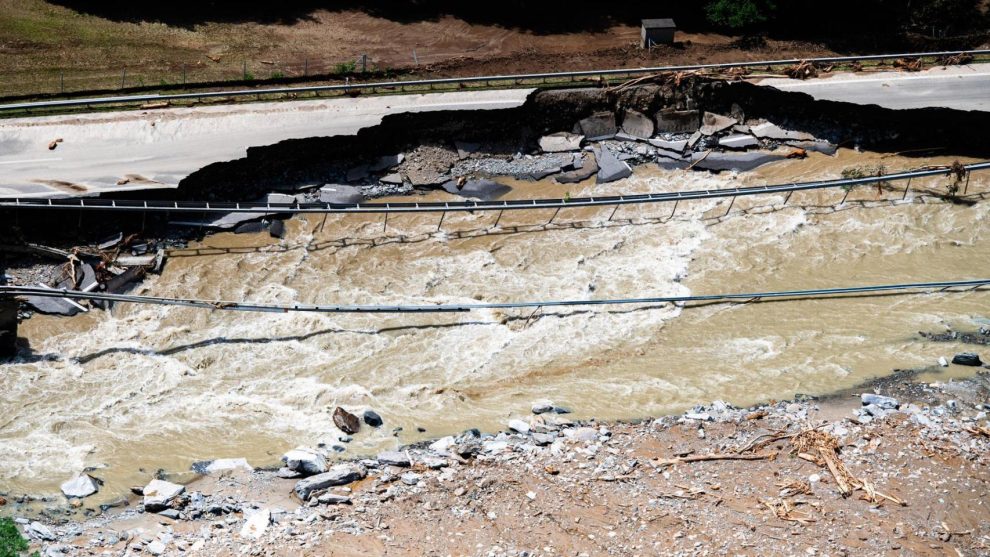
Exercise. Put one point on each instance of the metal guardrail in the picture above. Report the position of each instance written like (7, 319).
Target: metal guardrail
(466, 80)
(261, 208)
(8, 291)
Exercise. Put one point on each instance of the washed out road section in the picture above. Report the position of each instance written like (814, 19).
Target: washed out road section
(153, 149)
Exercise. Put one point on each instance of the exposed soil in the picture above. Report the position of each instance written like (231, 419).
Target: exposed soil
(918, 475)
(48, 49)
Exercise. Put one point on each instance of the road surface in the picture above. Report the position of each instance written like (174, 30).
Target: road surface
(124, 151)
(958, 87)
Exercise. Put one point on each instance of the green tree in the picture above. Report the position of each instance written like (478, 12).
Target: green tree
(738, 14)
(11, 542)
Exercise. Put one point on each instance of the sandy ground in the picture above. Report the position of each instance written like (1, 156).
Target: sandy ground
(917, 485)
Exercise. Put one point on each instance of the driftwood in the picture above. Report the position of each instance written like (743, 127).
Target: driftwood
(715, 456)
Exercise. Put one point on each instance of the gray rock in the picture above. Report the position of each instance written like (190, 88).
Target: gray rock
(586, 434)
(967, 359)
(637, 124)
(344, 195)
(610, 168)
(598, 126)
(769, 130)
(712, 123)
(39, 531)
(277, 229)
(885, 402)
(334, 499)
(170, 513)
(543, 439)
(588, 168)
(875, 411)
(410, 478)
(341, 474)
(561, 142)
(372, 418)
(395, 458)
(542, 407)
(305, 461)
(81, 486)
(52, 306)
(256, 524)
(288, 473)
(433, 462)
(677, 121)
(676, 146)
(160, 495)
(738, 141)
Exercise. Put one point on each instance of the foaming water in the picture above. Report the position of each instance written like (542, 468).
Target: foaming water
(144, 387)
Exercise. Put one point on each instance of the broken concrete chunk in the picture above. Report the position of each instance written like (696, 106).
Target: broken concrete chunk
(588, 168)
(738, 141)
(394, 178)
(739, 162)
(600, 125)
(694, 139)
(337, 194)
(484, 190)
(160, 495)
(677, 121)
(769, 130)
(610, 168)
(669, 145)
(561, 142)
(81, 486)
(712, 123)
(305, 461)
(342, 474)
(256, 524)
(637, 124)
(53, 306)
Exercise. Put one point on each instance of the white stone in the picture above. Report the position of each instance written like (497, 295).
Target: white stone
(772, 131)
(39, 531)
(542, 406)
(221, 464)
(256, 524)
(159, 495)
(305, 460)
(442, 445)
(519, 426)
(943, 362)
(81, 486)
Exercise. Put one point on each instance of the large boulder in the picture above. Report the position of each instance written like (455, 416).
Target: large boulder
(561, 142)
(967, 359)
(306, 461)
(712, 123)
(637, 124)
(610, 168)
(677, 121)
(341, 474)
(160, 495)
(81, 486)
(600, 125)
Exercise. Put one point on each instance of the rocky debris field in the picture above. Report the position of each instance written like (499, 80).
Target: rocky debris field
(897, 467)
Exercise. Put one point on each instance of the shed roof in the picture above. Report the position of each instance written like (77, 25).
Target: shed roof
(659, 23)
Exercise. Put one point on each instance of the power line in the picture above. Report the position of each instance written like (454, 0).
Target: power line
(9, 291)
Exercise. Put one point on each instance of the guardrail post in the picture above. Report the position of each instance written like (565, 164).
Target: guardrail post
(907, 188)
(731, 203)
(385, 223)
(500, 211)
(788, 197)
(845, 195)
(966, 187)
(555, 215)
(442, 215)
(613, 213)
(364, 63)
(671, 217)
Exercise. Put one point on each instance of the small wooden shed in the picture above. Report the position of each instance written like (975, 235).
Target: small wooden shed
(657, 31)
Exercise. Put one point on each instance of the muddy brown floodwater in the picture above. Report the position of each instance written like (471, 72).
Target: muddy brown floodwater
(145, 387)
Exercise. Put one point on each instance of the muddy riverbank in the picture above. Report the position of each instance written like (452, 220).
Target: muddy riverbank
(891, 467)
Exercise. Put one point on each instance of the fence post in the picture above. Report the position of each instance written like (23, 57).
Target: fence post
(415, 58)
(364, 63)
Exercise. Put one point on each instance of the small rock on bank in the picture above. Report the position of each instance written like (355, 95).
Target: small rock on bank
(342, 474)
(160, 495)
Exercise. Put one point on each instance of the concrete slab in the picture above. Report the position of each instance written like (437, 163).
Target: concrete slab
(712, 123)
(561, 142)
(610, 168)
(637, 124)
(678, 121)
(598, 126)
(738, 141)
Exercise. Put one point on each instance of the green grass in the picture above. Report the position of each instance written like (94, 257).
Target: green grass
(11, 542)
